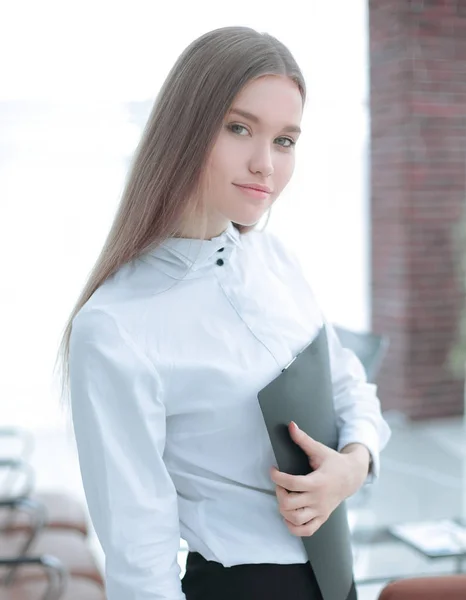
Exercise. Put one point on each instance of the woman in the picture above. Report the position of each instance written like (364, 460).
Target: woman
(188, 313)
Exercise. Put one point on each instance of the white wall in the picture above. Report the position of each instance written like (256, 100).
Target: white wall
(324, 212)
(63, 157)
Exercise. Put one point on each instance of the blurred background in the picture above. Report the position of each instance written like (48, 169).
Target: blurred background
(375, 210)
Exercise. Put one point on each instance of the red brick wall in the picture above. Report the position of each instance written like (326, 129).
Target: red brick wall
(418, 185)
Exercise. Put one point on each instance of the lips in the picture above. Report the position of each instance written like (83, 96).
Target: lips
(255, 186)
(254, 192)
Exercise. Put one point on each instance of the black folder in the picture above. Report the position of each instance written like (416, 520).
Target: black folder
(303, 393)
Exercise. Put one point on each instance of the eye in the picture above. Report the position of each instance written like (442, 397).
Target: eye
(234, 127)
(289, 143)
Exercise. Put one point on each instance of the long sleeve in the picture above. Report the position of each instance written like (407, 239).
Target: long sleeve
(119, 423)
(357, 406)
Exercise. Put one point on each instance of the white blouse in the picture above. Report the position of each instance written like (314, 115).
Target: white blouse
(166, 360)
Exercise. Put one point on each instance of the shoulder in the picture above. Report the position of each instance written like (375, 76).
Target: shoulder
(94, 326)
(117, 304)
(98, 334)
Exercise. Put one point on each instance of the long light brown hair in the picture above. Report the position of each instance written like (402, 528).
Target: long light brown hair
(166, 176)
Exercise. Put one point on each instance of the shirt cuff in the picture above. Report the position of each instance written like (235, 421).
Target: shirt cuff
(368, 437)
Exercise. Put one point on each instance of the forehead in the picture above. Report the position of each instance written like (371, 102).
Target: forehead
(274, 98)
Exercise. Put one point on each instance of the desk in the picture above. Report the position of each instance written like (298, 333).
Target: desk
(365, 538)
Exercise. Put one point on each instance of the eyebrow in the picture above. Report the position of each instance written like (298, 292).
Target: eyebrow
(254, 119)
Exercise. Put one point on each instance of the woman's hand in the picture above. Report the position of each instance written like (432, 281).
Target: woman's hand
(307, 501)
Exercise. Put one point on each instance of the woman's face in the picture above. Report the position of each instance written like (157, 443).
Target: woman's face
(255, 146)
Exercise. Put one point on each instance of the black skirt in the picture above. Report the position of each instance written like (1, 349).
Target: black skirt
(209, 580)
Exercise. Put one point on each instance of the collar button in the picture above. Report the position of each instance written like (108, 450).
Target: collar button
(220, 262)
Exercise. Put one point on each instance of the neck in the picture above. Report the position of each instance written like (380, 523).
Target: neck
(194, 230)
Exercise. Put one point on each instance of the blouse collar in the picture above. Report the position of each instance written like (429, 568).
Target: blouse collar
(190, 257)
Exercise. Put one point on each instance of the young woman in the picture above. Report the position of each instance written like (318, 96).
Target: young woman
(188, 313)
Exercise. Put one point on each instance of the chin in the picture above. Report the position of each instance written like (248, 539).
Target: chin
(247, 219)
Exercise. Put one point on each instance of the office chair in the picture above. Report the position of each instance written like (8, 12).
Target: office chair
(447, 587)
(369, 347)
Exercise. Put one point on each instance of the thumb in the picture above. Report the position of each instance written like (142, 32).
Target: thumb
(310, 446)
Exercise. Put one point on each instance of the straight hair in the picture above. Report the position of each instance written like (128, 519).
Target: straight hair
(167, 173)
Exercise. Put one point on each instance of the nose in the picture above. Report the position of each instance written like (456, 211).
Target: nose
(261, 161)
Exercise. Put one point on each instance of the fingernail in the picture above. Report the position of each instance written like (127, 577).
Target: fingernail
(295, 426)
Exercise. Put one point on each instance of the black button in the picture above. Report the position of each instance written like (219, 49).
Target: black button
(220, 262)
(221, 250)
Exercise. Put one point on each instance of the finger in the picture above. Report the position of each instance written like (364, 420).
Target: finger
(292, 500)
(299, 517)
(292, 483)
(307, 529)
(311, 447)
(312, 482)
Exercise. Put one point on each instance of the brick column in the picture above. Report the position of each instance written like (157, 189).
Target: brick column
(418, 187)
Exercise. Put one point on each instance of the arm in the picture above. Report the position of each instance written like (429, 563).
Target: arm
(307, 501)
(359, 418)
(357, 407)
(119, 423)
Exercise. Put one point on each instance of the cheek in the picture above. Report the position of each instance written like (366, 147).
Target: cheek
(221, 164)
(283, 171)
